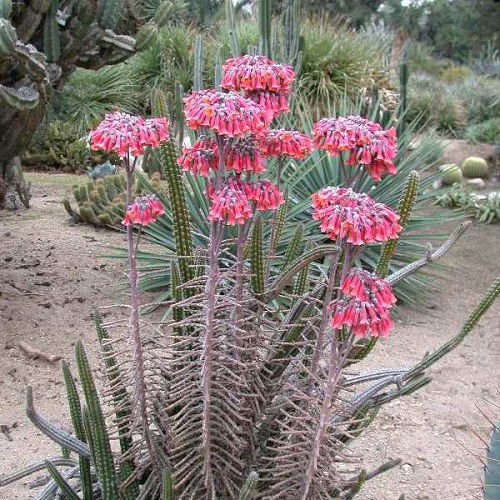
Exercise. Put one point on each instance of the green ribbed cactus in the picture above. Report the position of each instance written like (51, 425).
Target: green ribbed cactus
(177, 196)
(474, 167)
(450, 174)
(102, 202)
(404, 210)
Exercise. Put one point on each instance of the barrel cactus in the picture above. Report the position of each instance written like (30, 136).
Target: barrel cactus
(41, 43)
(451, 174)
(474, 167)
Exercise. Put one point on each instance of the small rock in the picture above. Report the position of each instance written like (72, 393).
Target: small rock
(43, 283)
(47, 305)
(407, 468)
(476, 183)
(8, 259)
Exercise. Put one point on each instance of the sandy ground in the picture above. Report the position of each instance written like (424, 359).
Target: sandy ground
(51, 278)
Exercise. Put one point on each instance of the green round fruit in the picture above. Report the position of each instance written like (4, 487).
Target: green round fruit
(450, 174)
(475, 167)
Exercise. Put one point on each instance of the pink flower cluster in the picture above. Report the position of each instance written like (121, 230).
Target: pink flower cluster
(145, 210)
(281, 142)
(365, 305)
(201, 158)
(123, 134)
(366, 142)
(251, 73)
(230, 203)
(226, 113)
(262, 80)
(354, 217)
(243, 156)
(235, 201)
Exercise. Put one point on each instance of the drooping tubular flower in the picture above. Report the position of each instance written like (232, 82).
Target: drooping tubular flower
(243, 156)
(230, 203)
(266, 195)
(251, 73)
(365, 318)
(201, 158)
(123, 134)
(354, 217)
(145, 210)
(274, 102)
(226, 113)
(377, 155)
(281, 142)
(367, 286)
(366, 142)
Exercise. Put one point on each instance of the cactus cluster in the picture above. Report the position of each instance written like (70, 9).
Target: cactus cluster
(43, 41)
(102, 202)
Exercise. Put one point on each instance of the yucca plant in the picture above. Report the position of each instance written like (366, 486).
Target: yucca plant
(250, 388)
(88, 95)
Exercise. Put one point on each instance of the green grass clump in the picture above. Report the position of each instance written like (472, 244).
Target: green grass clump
(488, 131)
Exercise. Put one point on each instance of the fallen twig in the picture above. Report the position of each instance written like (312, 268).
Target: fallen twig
(34, 353)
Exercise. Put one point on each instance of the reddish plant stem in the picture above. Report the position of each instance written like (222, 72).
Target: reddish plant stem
(318, 348)
(138, 361)
(207, 356)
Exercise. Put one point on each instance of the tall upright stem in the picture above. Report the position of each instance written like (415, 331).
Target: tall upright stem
(138, 361)
(207, 356)
(318, 348)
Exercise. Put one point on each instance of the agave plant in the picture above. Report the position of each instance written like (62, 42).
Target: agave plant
(250, 388)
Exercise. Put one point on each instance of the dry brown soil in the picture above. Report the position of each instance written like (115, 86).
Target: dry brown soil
(51, 277)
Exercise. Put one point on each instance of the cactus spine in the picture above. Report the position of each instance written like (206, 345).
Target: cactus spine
(104, 461)
(404, 209)
(198, 64)
(180, 214)
(404, 75)
(233, 37)
(265, 27)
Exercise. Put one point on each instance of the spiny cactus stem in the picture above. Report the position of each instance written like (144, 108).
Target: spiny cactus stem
(216, 233)
(138, 362)
(431, 256)
(486, 302)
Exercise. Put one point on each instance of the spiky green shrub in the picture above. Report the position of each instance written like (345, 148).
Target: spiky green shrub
(487, 131)
(167, 61)
(59, 147)
(88, 95)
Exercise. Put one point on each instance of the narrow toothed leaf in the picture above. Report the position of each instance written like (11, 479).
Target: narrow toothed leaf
(104, 461)
(75, 410)
(68, 491)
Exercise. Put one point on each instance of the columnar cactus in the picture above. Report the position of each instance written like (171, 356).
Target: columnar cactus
(41, 43)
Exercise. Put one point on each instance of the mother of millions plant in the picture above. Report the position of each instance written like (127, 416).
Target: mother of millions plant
(251, 388)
